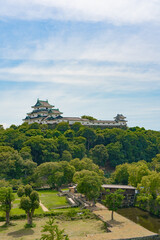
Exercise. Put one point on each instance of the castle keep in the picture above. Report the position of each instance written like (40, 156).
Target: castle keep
(45, 113)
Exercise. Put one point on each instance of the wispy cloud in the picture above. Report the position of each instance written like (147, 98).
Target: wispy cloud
(115, 11)
(111, 45)
(113, 78)
(88, 57)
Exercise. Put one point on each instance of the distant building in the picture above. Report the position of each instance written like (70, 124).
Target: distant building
(44, 113)
(129, 193)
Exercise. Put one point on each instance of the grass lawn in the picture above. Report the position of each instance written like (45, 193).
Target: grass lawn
(65, 189)
(51, 200)
(77, 228)
(17, 211)
(77, 209)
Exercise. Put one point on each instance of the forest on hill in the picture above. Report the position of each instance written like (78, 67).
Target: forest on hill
(23, 148)
(43, 155)
(106, 147)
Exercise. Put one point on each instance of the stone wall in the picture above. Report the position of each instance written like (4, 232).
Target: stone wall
(153, 237)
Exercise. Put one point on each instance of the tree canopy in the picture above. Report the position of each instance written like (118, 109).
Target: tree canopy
(29, 201)
(26, 147)
(113, 200)
(89, 183)
(6, 198)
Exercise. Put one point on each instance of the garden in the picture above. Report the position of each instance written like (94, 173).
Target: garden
(74, 221)
(49, 198)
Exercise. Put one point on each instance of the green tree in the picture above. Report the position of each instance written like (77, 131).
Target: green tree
(150, 185)
(89, 184)
(79, 140)
(89, 134)
(4, 183)
(56, 133)
(69, 134)
(11, 135)
(113, 200)
(143, 201)
(88, 117)
(54, 174)
(86, 164)
(76, 126)
(76, 163)
(116, 156)
(29, 166)
(11, 163)
(62, 144)
(34, 126)
(121, 174)
(42, 149)
(99, 154)
(6, 198)
(44, 174)
(66, 156)
(155, 164)
(137, 171)
(52, 231)
(68, 171)
(62, 127)
(77, 150)
(29, 201)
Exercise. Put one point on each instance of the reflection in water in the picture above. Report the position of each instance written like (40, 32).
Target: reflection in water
(141, 217)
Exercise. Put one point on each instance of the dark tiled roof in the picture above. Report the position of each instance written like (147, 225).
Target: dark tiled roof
(41, 103)
(104, 121)
(49, 118)
(73, 119)
(117, 186)
(58, 117)
(120, 117)
(54, 111)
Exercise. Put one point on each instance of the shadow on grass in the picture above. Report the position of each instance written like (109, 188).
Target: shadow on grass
(5, 227)
(22, 232)
(114, 223)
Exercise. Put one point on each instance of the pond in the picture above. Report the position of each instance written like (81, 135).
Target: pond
(142, 218)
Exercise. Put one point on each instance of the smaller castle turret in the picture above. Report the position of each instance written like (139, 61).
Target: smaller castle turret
(120, 118)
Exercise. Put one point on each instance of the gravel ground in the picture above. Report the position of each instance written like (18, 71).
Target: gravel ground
(121, 227)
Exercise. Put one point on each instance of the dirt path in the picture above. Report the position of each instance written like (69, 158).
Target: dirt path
(43, 207)
(121, 227)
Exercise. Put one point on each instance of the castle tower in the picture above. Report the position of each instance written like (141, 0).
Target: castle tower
(43, 113)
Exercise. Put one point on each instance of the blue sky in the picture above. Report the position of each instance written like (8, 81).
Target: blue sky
(97, 58)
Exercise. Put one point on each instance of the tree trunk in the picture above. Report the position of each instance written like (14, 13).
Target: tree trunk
(29, 218)
(88, 145)
(94, 203)
(58, 188)
(7, 218)
(112, 216)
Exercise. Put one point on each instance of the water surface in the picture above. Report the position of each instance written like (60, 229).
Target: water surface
(142, 218)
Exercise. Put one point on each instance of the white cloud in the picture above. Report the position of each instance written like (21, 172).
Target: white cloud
(108, 46)
(105, 78)
(82, 72)
(115, 11)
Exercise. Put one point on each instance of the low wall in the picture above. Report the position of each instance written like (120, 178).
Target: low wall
(154, 237)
